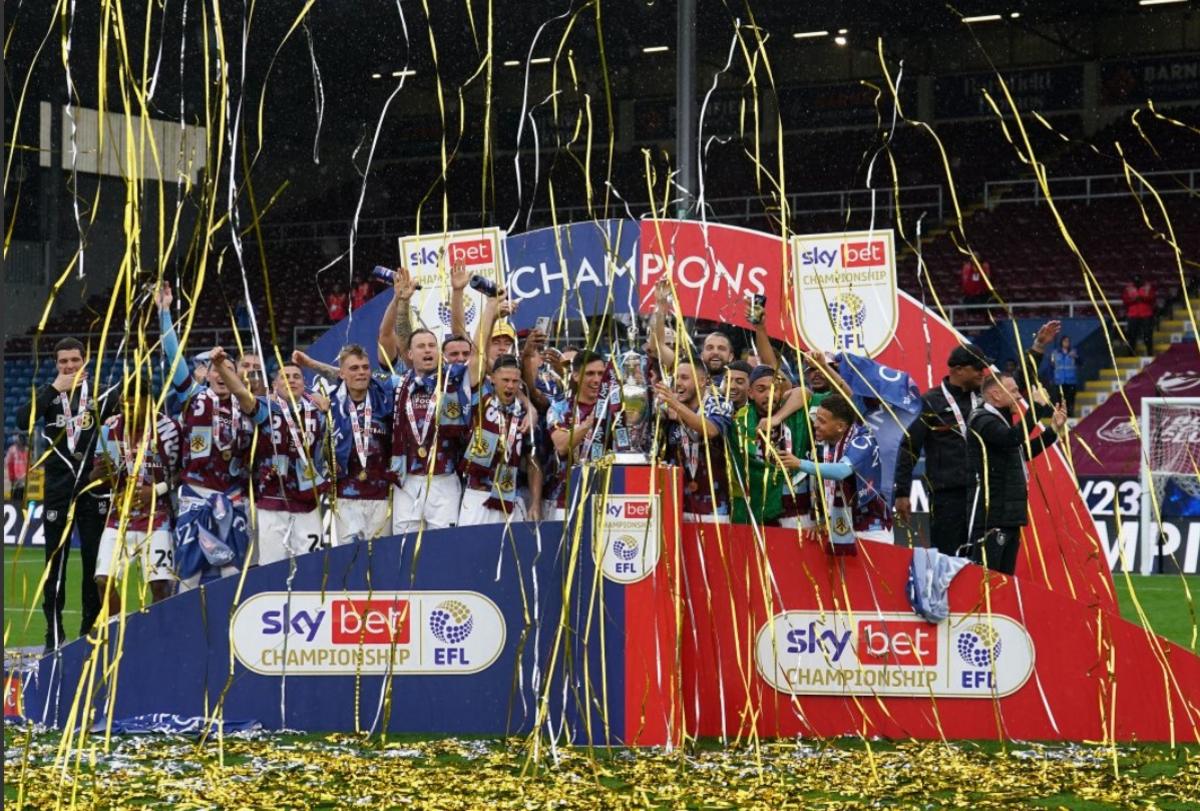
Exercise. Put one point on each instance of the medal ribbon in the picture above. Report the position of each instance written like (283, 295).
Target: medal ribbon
(509, 425)
(422, 430)
(294, 432)
(360, 431)
(234, 423)
(691, 451)
(73, 430)
(833, 453)
(958, 416)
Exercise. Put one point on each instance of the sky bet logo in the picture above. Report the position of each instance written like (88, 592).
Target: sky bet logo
(891, 643)
(368, 622)
(471, 253)
(862, 254)
(854, 255)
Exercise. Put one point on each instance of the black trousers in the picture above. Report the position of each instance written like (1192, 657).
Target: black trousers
(90, 515)
(1067, 392)
(949, 519)
(1141, 329)
(997, 549)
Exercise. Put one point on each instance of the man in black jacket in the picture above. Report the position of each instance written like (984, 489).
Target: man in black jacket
(999, 451)
(70, 411)
(940, 433)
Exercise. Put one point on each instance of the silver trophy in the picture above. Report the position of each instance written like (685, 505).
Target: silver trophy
(632, 432)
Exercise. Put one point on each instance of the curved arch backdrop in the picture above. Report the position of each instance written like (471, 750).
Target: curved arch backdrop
(611, 266)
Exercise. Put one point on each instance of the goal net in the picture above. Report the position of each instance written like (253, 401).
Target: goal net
(1170, 468)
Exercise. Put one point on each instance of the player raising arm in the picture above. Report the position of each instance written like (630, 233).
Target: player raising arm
(289, 462)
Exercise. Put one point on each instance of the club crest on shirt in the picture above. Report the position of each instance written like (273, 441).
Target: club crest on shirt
(200, 443)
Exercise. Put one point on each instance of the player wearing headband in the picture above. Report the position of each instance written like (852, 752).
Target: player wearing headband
(695, 441)
(497, 452)
(139, 458)
(289, 462)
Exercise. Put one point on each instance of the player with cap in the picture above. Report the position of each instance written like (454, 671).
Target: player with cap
(139, 458)
(695, 441)
(940, 434)
(289, 462)
(765, 451)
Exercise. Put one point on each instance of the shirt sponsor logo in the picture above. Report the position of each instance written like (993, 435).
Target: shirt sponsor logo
(397, 633)
(965, 656)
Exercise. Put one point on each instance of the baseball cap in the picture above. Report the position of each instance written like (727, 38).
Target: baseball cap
(504, 328)
(969, 355)
(761, 371)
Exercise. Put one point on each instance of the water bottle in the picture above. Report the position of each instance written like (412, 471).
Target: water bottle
(384, 274)
(485, 286)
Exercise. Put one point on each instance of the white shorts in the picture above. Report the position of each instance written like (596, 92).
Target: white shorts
(434, 499)
(696, 518)
(281, 535)
(154, 550)
(876, 535)
(474, 512)
(356, 519)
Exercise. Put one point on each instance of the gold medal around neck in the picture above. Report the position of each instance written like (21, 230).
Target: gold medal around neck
(422, 452)
(226, 455)
(362, 475)
(693, 486)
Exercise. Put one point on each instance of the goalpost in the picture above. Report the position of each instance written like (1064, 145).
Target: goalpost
(1169, 466)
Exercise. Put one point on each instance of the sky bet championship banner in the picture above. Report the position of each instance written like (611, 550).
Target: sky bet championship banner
(838, 290)
(624, 626)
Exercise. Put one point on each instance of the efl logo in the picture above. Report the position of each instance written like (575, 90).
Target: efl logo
(474, 252)
(370, 622)
(637, 509)
(862, 254)
(897, 642)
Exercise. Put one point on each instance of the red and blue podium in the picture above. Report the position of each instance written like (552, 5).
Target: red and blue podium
(625, 625)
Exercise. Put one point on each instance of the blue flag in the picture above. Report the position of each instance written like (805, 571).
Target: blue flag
(870, 380)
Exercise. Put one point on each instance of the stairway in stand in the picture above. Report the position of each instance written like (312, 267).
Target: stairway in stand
(1173, 329)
